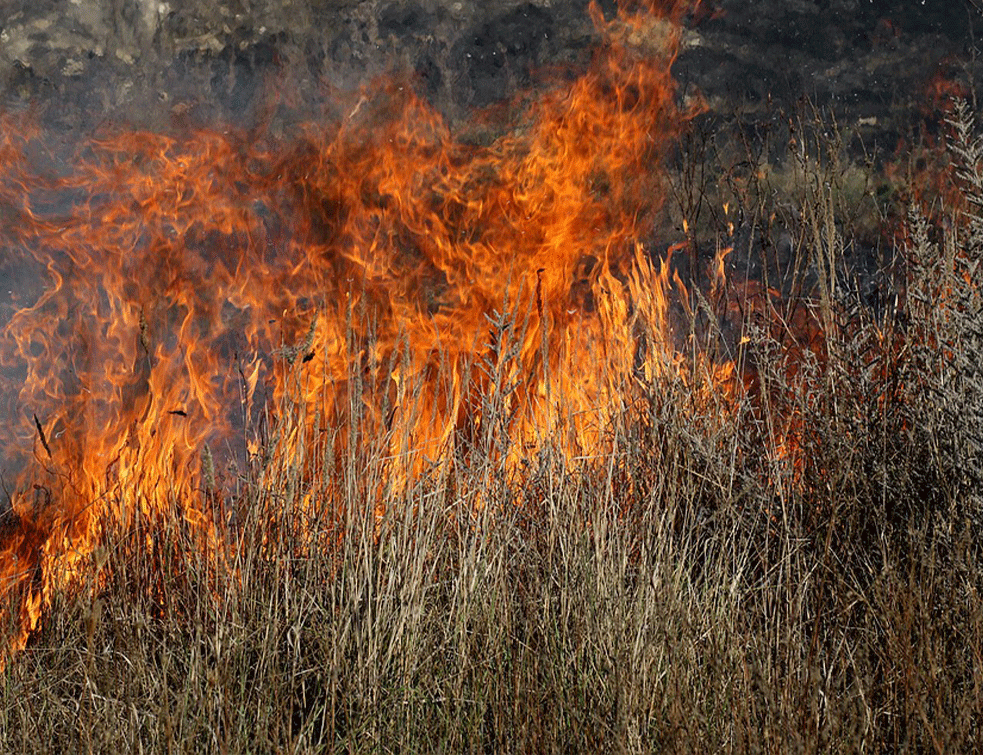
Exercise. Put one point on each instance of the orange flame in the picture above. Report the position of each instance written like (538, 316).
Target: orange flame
(376, 265)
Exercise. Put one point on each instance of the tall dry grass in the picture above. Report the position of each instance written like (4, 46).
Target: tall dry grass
(798, 573)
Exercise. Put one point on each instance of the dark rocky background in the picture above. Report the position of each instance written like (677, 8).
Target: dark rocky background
(868, 59)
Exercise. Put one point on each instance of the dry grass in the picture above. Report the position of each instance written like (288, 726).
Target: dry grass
(695, 591)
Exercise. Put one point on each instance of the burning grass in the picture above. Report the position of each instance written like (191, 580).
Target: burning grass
(794, 568)
(444, 458)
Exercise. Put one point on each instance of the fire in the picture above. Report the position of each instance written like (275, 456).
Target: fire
(170, 289)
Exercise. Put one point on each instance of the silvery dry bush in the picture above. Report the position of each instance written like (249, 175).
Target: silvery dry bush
(945, 307)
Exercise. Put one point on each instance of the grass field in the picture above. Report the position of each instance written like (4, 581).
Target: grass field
(785, 562)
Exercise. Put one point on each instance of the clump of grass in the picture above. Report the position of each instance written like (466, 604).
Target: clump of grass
(798, 573)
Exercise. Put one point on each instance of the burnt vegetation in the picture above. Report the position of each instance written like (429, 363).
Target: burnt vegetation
(788, 563)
